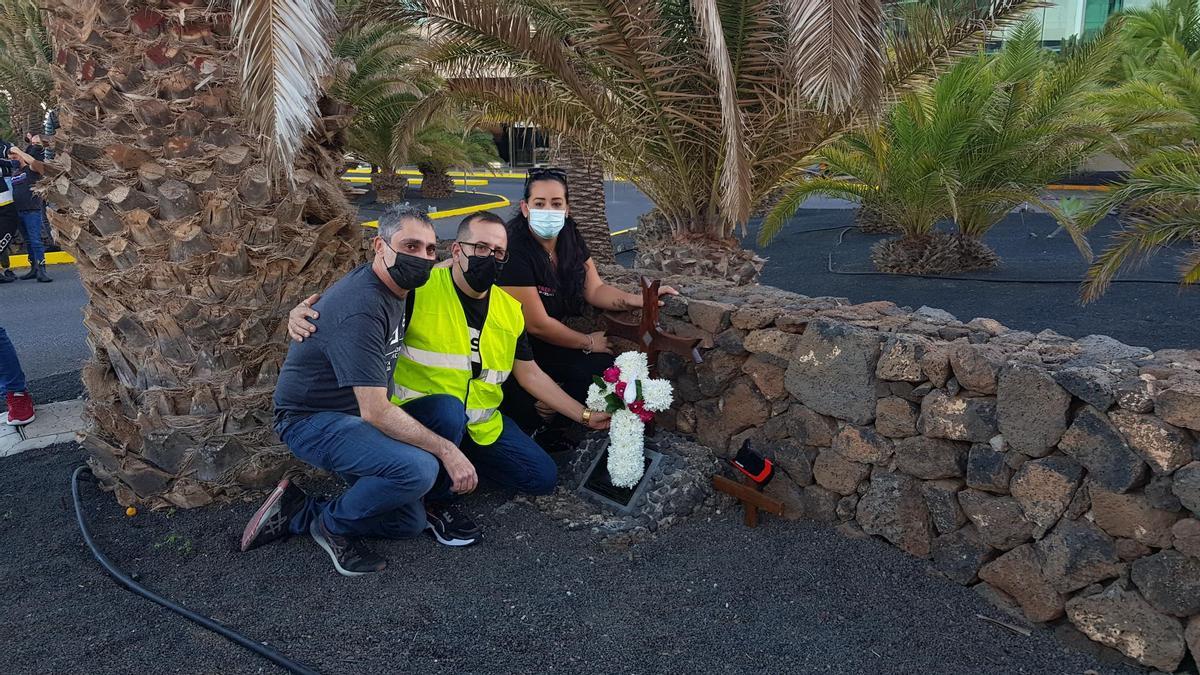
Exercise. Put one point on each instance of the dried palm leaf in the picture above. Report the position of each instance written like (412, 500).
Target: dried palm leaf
(285, 52)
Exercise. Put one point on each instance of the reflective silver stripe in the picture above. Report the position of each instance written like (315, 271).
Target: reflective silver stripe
(494, 376)
(404, 393)
(436, 359)
(479, 414)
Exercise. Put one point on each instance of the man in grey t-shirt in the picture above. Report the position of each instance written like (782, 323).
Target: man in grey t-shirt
(332, 411)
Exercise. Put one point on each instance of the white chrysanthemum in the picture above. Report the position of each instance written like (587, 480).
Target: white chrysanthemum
(595, 398)
(657, 395)
(626, 449)
(633, 366)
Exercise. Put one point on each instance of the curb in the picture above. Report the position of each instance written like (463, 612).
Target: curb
(461, 182)
(500, 203)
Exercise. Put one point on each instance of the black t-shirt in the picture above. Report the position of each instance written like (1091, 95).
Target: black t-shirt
(359, 333)
(524, 268)
(475, 310)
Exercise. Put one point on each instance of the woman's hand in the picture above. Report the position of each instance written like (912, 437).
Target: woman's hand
(598, 420)
(665, 290)
(298, 324)
(598, 343)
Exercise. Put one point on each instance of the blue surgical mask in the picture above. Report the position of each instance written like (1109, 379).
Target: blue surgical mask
(547, 223)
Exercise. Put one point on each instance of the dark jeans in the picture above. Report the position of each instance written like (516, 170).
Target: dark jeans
(573, 371)
(387, 478)
(390, 480)
(12, 378)
(31, 226)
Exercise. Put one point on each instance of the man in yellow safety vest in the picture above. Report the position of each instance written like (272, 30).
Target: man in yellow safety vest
(465, 337)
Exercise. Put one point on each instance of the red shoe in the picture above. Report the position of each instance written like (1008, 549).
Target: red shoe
(20, 408)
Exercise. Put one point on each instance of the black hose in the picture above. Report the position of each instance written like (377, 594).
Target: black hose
(124, 579)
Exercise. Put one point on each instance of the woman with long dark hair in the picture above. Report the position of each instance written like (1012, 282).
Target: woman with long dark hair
(551, 272)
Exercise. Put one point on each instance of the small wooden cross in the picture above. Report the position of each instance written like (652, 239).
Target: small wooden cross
(751, 497)
(648, 334)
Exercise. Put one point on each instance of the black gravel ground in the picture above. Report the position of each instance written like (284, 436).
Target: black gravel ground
(1035, 288)
(707, 596)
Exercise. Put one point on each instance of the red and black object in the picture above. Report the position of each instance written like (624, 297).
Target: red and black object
(756, 467)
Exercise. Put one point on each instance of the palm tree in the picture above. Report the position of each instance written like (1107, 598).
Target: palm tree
(1166, 192)
(197, 189)
(438, 148)
(25, 55)
(1157, 205)
(989, 134)
(585, 176)
(705, 105)
(378, 78)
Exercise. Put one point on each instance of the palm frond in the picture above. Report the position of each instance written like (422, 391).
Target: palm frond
(797, 193)
(283, 46)
(735, 170)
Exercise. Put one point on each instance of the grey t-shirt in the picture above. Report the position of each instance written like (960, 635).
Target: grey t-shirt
(360, 329)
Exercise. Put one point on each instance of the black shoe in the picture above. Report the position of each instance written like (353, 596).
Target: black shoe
(40, 272)
(450, 525)
(351, 557)
(31, 274)
(7, 277)
(270, 521)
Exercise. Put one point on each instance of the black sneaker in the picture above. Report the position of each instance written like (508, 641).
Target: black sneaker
(351, 557)
(270, 521)
(7, 277)
(450, 525)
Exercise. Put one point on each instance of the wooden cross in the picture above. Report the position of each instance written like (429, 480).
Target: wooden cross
(751, 497)
(648, 334)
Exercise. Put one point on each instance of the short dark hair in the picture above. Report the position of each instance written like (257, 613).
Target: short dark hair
(464, 227)
(393, 219)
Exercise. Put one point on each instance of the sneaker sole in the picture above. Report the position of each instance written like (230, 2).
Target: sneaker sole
(314, 530)
(449, 542)
(256, 521)
(21, 423)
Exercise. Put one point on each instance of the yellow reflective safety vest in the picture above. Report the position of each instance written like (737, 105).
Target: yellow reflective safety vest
(435, 357)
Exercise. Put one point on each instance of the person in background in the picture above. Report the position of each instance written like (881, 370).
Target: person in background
(30, 209)
(12, 383)
(10, 220)
(551, 272)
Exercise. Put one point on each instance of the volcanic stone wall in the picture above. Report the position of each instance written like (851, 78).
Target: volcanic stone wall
(1060, 477)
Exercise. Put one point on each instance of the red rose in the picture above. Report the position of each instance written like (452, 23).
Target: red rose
(621, 390)
(612, 374)
(646, 416)
(637, 407)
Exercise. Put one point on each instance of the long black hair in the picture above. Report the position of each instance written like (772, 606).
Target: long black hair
(570, 248)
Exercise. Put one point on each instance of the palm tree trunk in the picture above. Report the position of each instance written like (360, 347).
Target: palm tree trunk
(190, 258)
(586, 179)
(389, 186)
(435, 182)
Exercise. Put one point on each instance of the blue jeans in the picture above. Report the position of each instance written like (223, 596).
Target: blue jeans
(387, 478)
(514, 460)
(12, 378)
(31, 225)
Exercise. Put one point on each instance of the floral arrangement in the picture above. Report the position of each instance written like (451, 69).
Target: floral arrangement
(626, 391)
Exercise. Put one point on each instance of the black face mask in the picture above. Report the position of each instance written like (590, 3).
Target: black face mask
(409, 271)
(482, 271)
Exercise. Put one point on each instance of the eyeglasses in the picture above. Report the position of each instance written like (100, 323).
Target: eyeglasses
(538, 173)
(500, 254)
